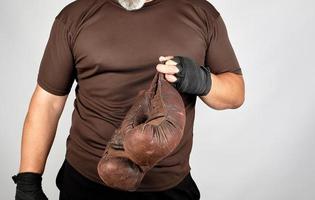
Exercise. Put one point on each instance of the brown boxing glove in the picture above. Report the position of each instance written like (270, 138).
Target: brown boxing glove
(150, 131)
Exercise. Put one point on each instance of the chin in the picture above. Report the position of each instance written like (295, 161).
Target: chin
(131, 4)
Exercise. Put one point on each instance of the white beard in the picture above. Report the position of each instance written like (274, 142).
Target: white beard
(131, 4)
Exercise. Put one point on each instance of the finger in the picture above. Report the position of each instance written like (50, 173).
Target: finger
(170, 62)
(171, 78)
(164, 58)
(167, 69)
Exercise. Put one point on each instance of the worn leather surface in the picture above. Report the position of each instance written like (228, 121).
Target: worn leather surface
(150, 131)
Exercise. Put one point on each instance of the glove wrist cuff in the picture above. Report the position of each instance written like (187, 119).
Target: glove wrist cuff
(208, 80)
(27, 177)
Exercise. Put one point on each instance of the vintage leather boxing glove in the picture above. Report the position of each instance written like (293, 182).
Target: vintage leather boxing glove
(191, 78)
(150, 131)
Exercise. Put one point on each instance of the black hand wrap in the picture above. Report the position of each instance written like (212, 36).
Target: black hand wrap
(191, 78)
(29, 186)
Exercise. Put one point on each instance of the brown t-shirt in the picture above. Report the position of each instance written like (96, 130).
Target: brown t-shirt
(112, 53)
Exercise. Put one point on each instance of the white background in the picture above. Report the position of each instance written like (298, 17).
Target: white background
(264, 150)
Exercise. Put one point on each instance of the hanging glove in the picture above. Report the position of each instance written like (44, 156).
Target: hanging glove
(191, 78)
(150, 131)
(29, 186)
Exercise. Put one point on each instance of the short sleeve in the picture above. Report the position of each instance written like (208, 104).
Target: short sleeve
(220, 56)
(56, 72)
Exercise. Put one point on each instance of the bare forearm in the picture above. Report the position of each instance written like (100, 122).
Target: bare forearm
(227, 91)
(38, 134)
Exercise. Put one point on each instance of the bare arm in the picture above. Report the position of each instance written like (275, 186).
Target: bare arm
(227, 91)
(39, 129)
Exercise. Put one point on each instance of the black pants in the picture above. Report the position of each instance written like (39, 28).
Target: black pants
(74, 186)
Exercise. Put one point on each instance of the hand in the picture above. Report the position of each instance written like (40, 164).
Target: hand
(29, 186)
(186, 75)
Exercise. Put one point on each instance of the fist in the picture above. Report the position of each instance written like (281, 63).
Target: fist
(185, 74)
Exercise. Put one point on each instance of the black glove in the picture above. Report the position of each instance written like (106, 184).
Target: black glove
(191, 78)
(29, 186)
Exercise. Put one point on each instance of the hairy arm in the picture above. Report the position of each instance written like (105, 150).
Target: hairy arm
(227, 91)
(39, 129)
